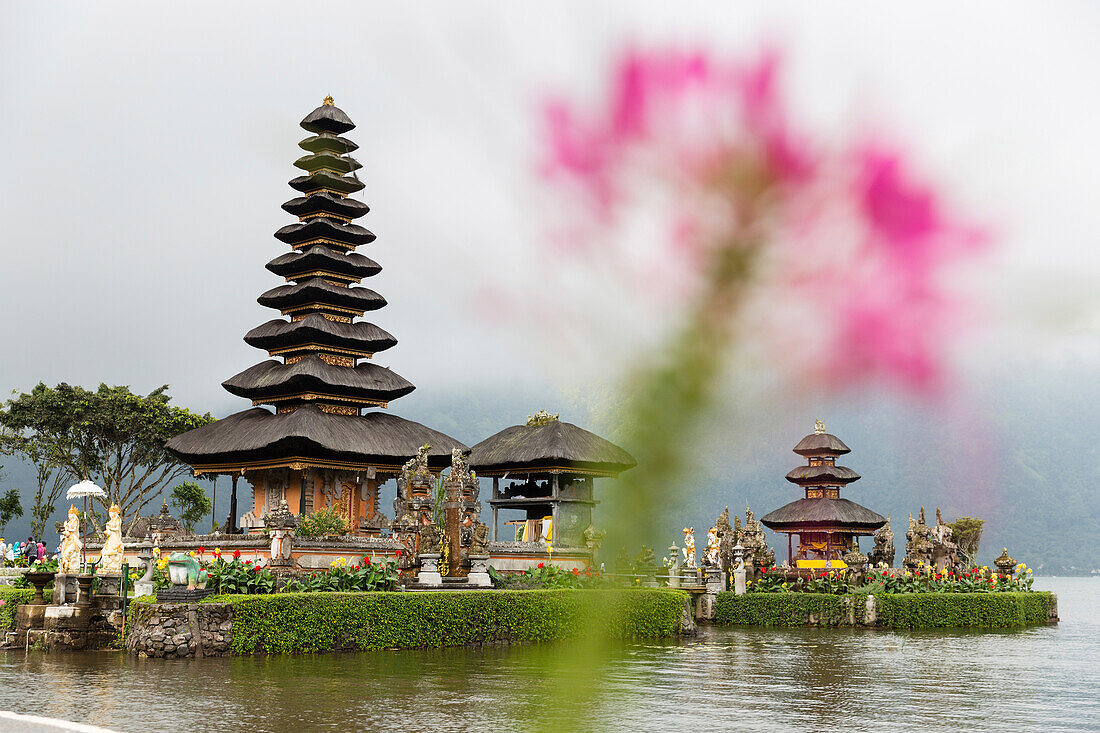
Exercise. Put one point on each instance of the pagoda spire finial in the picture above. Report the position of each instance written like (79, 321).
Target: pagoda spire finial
(328, 101)
(819, 427)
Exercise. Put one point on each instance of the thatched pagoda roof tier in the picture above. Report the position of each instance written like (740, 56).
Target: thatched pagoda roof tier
(327, 118)
(328, 141)
(320, 292)
(822, 474)
(320, 258)
(324, 230)
(327, 181)
(326, 203)
(329, 161)
(278, 335)
(553, 447)
(365, 382)
(818, 444)
(308, 436)
(823, 515)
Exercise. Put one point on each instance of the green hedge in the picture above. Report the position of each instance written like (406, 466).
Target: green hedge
(902, 611)
(12, 597)
(317, 622)
(954, 610)
(785, 609)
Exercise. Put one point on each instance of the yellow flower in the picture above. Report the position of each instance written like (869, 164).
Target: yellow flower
(193, 553)
(156, 551)
(1029, 570)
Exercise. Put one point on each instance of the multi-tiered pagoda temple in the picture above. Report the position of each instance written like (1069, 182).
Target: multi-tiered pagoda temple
(325, 444)
(827, 525)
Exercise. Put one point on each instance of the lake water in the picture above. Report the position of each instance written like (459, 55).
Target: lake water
(740, 679)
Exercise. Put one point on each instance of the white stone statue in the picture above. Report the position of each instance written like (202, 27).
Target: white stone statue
(110, 560)
(70, 544)
(712, 547)
(689, 547)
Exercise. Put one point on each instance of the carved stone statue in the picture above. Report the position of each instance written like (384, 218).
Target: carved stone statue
(71, 544)
(110, 559)
(593, 538)
(944, 550)
(883, 552)
(689, 547)
(918, 547)
(431, 539)
(755, 542)
(186, 570)
(479, 544)
(712, 558)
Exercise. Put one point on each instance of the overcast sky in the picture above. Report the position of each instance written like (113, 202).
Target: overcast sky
(147, 148)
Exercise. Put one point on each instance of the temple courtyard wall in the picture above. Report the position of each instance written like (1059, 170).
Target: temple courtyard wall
(295, 623)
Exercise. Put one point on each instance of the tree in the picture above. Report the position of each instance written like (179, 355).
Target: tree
(51, 478)
(966, 532)
(110, 435)
(192, 502)
(10, 508)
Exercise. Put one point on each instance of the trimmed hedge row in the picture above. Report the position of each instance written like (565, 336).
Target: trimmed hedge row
(12, 597)
(954, 610)
(318, 622)
(901, 611)
(786, 609)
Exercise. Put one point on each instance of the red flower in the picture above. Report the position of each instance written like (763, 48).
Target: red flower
(576, 572)
(366, 561)
(236, 554)
(247, 562)
(257, 568)
(354, 567)
(540, 565)
(588, 572)
(201, 549)
(397, 553)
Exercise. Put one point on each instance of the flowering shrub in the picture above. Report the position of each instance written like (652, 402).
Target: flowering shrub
(235, 576)
(925, 580)
(551, 576)
(366, 575)
(974, 580)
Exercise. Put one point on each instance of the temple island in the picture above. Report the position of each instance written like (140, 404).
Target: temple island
(318, 444)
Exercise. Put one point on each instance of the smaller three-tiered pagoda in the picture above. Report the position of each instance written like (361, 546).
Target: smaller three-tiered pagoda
(827, 525)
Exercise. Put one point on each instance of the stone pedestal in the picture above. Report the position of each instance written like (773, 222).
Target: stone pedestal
(84, 590)
(739, 585)
(714, 581)
(143, 586)
(429, 570)
(64, 589)
(479, 571)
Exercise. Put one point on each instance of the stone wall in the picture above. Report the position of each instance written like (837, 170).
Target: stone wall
(174, 630)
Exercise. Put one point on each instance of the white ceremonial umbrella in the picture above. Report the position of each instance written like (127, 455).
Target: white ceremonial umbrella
(83, 490)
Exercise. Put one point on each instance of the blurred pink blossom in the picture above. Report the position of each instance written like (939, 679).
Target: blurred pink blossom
(852, 241)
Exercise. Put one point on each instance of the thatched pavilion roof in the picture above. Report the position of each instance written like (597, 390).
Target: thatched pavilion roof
(821, 444)
(822, 474)
(312, 374)
(841, 515)
(258, 438)
(554, 446)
